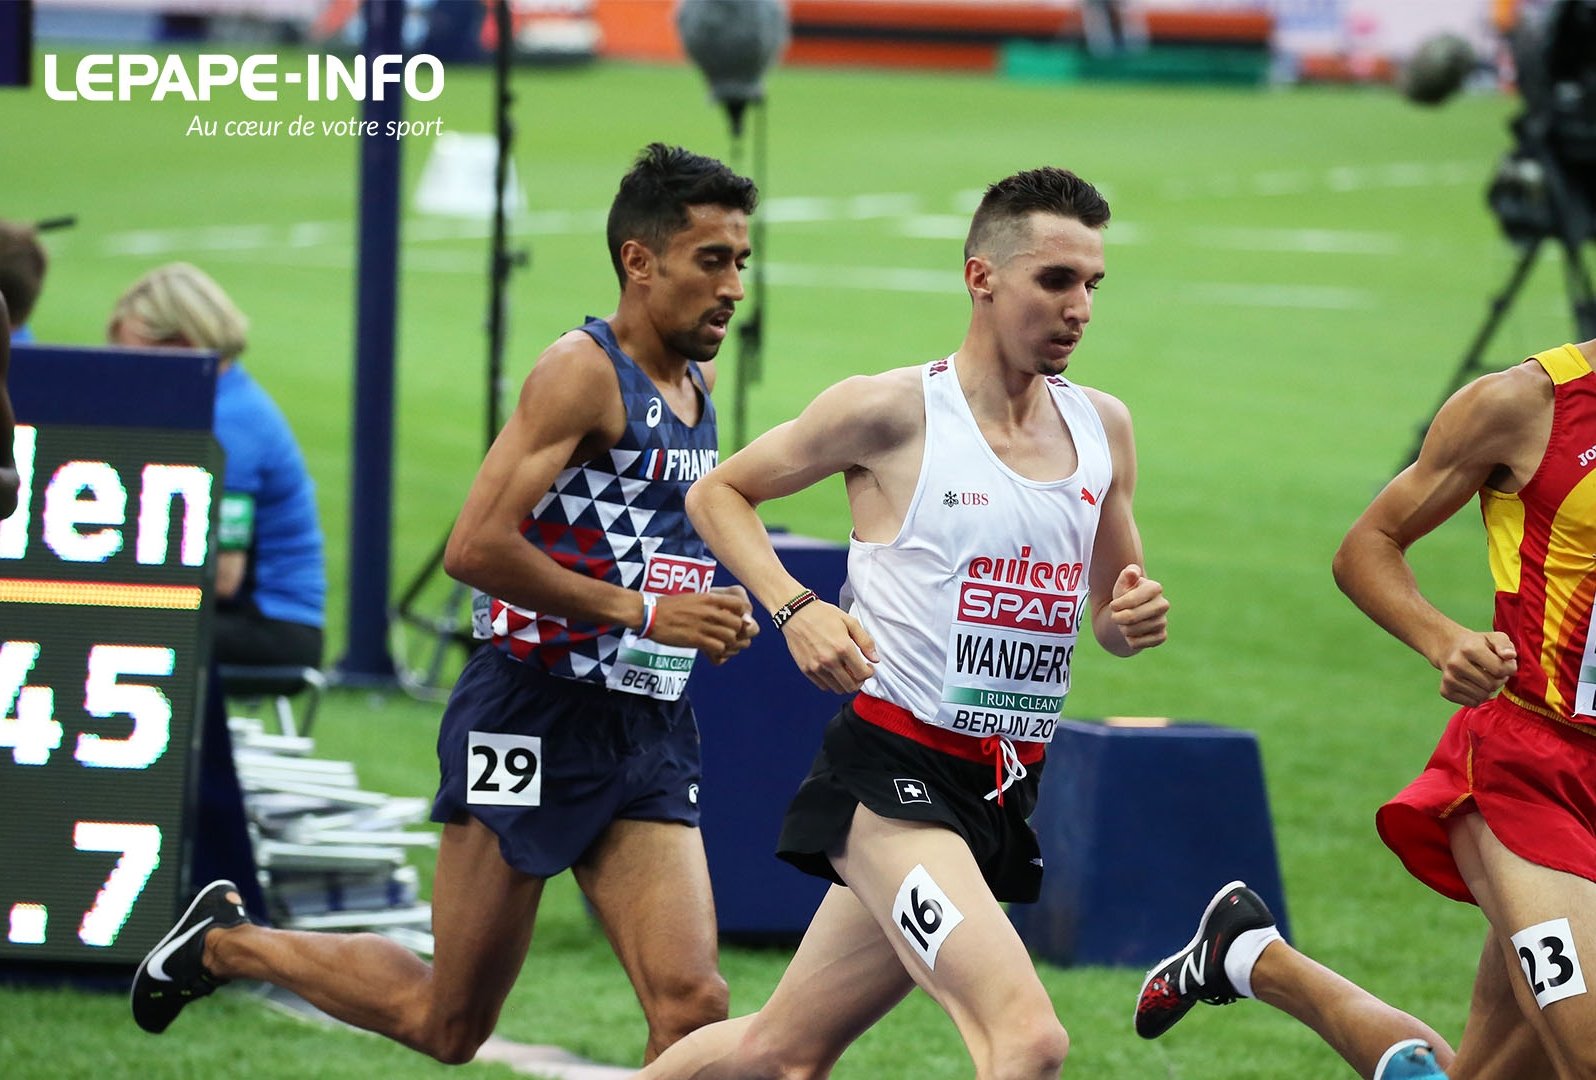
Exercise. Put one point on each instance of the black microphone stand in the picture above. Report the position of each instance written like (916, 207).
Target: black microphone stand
(448, 628)
(751, 325)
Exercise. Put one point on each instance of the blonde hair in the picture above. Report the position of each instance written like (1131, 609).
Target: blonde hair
(179, 302)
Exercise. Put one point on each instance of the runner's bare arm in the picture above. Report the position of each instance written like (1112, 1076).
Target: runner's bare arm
(569, 410)
(1129, 609)
(849, 426)
(1473, 438)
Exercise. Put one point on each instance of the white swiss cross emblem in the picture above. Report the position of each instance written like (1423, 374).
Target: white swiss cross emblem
(912, 791)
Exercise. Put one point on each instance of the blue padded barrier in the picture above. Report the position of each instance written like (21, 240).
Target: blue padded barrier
(1139, 827)
(761, 722)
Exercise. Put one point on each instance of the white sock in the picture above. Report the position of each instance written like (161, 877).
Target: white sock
(1243, 954)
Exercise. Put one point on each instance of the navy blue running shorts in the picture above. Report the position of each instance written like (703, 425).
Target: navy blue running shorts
(899, 778)
(547, 763)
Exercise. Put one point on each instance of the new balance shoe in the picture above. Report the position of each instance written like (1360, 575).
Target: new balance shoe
(1197, 972)
(172, 975)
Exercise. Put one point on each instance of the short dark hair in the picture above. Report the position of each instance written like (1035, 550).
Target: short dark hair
(1007, 203)
(22, 267)
(651, 205)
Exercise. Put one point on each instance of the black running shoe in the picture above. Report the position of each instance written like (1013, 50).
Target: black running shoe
(1197, 972)
(172, 975)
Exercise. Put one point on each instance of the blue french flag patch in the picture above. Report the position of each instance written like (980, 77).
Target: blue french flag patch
(654, 464)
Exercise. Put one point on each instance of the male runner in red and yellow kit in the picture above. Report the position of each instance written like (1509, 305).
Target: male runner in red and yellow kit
(1504, 814)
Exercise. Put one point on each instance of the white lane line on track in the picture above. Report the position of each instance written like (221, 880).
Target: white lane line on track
(1336, 179)
(1316, 297)
(853, 278)
(864, 279)
(1307, 241)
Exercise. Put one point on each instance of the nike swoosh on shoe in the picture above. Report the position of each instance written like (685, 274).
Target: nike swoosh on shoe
(157, 964)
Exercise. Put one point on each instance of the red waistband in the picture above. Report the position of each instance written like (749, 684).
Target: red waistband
(900, 721)
(1543, 711)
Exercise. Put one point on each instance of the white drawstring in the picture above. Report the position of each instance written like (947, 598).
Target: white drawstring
(1010, 768)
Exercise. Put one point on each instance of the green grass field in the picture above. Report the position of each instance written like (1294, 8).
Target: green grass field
(1293, 276)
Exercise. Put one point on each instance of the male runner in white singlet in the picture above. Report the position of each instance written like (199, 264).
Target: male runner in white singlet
(991, 507)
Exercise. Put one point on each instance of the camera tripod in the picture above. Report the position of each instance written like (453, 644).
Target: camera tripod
(1562, 214)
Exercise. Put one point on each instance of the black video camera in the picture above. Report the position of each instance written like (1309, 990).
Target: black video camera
(1546, 185)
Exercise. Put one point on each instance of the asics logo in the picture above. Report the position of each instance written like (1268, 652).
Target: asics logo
(1194, 967)
(157, 968)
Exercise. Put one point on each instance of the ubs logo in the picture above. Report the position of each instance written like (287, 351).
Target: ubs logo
(964, 498)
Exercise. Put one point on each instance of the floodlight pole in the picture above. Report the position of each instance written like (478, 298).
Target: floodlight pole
(366, 660)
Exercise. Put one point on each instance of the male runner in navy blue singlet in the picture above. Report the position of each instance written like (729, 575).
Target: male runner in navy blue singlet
(567, 743)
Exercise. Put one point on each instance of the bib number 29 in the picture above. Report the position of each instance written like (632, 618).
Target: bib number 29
(504, 770)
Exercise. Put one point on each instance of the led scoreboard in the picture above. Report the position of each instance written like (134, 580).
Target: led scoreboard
(106, 573)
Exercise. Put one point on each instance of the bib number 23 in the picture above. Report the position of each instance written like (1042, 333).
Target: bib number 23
(1551, 964)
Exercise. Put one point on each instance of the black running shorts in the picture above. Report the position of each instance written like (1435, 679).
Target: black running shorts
(896, 777)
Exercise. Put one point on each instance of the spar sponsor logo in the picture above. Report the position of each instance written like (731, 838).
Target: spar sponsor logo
(668, 575)
(1014, 608)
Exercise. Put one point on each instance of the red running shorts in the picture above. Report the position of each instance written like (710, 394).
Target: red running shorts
(1533, 778)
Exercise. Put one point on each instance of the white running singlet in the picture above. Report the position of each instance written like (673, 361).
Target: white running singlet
(976, 604)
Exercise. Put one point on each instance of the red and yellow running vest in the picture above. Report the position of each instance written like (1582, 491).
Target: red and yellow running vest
(1542, 542)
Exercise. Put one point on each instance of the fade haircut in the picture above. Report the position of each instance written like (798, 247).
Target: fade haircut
(180, 302)
(651, 205)
(22, 267)
(1002, 221)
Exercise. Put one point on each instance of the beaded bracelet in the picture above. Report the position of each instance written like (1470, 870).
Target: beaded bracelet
(650, 603)
(779, 617)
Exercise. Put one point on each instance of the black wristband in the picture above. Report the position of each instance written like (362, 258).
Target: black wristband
(779, 617)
